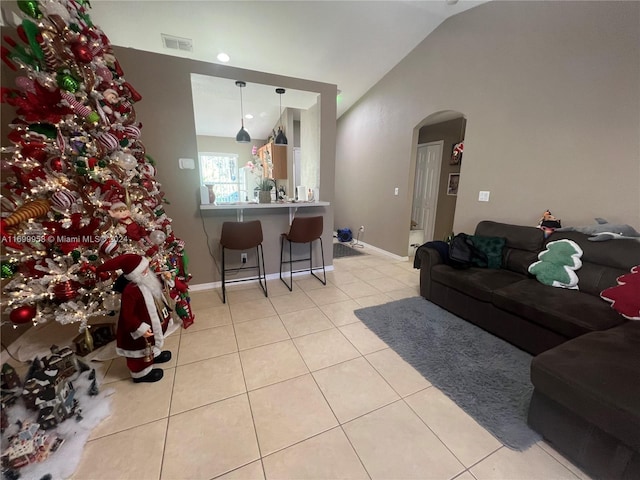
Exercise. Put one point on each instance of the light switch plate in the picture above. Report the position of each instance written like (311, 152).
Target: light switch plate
(396, 191)
(483, 196)
(186, 163)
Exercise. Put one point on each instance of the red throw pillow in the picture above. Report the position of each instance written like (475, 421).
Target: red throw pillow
(625, 297)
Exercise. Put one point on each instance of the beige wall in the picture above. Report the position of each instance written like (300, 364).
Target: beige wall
(168, 133)
(550, 91)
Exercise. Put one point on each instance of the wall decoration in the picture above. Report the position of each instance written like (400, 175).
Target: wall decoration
(452, 186)
(456, 154)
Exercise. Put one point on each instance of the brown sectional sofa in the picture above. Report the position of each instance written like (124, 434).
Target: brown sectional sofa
(586, 369)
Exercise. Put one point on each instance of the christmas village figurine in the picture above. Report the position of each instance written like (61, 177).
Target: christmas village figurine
(48, 389)
(31, 444)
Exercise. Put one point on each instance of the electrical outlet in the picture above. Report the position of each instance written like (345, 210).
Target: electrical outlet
(362, 228)
(243, 257)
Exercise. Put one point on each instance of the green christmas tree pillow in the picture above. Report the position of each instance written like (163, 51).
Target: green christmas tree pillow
(557, 264)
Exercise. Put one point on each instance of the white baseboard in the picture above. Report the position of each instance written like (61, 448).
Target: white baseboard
(375, 249)
(272, 276)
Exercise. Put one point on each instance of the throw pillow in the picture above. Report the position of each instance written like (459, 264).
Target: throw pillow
(492, 247)
(625, 297)
(557, 264)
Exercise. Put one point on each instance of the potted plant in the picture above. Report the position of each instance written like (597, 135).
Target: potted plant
(265, 185)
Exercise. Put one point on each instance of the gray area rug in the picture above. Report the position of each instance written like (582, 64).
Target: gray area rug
(344, 250)
(486, 376)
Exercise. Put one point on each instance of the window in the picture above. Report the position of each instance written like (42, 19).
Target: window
(220, 170)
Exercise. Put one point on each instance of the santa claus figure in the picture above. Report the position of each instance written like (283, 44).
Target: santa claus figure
(144, 317)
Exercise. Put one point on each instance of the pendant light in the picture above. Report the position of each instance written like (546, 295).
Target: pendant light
(243, 135)
(281, 138)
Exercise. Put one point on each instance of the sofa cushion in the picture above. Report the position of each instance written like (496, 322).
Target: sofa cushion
(602, 262)
(522, 245)
(492, 248)
(476, 282)
(596, 377)
(568, 312)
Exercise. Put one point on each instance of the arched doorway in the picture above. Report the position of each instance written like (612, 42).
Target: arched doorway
(436, 176)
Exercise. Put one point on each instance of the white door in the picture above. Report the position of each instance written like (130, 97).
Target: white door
(425, 188)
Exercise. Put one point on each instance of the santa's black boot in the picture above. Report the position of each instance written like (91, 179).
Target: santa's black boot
(153, 376)
(164, 357)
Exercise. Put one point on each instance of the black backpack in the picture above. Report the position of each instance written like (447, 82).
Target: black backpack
(462, 251)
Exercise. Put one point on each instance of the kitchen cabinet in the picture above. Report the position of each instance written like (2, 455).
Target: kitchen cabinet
(278, 155)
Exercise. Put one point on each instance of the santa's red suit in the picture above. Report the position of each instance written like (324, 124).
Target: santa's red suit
(143, 319)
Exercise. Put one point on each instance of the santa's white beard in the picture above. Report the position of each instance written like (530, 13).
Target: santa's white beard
(152, 283)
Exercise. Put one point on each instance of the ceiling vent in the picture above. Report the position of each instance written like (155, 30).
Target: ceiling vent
(177, 43)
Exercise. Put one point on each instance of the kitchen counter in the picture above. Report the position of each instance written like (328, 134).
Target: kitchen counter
(241, 206)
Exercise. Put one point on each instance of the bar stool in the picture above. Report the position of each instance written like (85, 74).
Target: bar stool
(243, 236)
(302, 230)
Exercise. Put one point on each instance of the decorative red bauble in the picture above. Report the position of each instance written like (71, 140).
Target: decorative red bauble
(82, 52)
(23, 314)
(56, 164)
(66, 290)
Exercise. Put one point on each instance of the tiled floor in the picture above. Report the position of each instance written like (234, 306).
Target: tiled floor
(294, 386)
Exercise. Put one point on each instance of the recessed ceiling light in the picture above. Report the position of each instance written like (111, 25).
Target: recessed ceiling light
(223, 57)
(248, 116)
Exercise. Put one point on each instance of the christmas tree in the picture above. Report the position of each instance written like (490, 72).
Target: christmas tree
(78, 186)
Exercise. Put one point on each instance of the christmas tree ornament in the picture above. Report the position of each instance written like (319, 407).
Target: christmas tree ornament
(30, 7)
(75, 152)
(23, 314)
(66, 290)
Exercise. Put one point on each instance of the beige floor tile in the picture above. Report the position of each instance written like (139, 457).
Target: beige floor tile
(468, 441)
(306, 321)
(260, 332)
(243, 312)
(251, 293)
(328, 294)
(391, 270)
(372, 261)
(325, 456)
(135, 404)
(374, 300)
(117, 371)
(531, 464)
(210, 440)
(340, 278)
(354, 388)
(308, 282)
(362, 338)
(289, 412)
(359, 288)
(210, 317)
(119, 455)
(341, 313)
(386, 284)
(271, 363)
(253, 471)
(276, 288)
(325, 348)
(208, 343)
(563, 460)
(410, 279)
(207, 381)
(202, 299)
(465, 476)
(367, 273)
(294, 301)
(407, 292)
(393, 443)
(402, 377)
